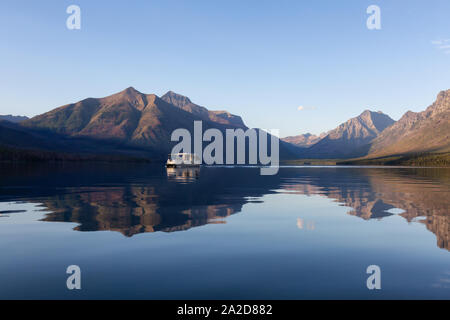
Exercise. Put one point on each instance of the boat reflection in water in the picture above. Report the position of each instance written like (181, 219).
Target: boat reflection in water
(183, 174)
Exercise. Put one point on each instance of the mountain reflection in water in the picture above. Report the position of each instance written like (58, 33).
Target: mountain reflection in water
(142, 198)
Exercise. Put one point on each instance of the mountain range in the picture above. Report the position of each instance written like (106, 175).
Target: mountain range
(133, 124)
(128, 120)
(374, 134)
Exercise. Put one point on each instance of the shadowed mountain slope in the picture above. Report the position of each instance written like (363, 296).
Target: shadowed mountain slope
(20, 143)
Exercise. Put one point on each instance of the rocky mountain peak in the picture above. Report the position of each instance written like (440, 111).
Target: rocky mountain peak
(442, 104)
(176, 99)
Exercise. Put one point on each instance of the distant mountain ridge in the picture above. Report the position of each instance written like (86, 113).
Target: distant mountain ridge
(349, 138)
(11, 118)
(304, 140)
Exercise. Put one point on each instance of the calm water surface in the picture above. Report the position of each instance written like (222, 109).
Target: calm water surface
(139, 231)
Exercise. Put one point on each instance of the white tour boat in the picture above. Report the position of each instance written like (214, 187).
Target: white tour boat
(181, 160)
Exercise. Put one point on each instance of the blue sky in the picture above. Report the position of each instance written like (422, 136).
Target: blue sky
(258, 59)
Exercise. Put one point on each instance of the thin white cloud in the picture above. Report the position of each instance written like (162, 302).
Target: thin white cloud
(301, 108)
(442, 44)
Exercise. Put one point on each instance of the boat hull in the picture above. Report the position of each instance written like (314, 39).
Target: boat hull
(182, 165)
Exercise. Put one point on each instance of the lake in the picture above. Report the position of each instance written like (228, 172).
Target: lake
(139, 231)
